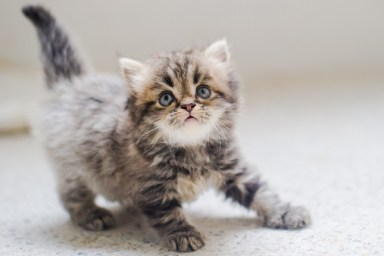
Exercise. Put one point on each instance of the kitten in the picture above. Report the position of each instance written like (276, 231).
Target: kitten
(156, 138)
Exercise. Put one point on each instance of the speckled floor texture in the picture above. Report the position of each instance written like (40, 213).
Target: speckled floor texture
(319, 144)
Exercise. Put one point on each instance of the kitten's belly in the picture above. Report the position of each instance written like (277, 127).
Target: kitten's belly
(112, 187)
(189, 188)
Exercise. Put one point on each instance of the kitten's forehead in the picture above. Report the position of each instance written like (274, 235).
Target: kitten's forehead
(180, 66)
(181, 71)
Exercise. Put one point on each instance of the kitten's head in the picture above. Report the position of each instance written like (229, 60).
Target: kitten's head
(183, 98)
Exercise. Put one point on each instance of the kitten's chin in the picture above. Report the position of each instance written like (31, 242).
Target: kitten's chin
(191, 133)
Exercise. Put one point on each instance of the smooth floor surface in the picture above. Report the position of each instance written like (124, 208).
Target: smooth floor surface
(319, 144)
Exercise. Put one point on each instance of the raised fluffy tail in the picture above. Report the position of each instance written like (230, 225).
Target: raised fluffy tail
(60, 60)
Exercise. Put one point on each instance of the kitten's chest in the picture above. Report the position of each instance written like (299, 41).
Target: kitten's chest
(193, 159)
(196, 174)
(190, 187)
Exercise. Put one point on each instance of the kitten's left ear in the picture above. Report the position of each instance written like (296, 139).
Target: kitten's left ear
(133, 72)
(218, 51)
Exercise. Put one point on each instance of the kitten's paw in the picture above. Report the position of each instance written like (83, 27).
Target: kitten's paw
(293, 218)
(97, 219)
(185, 240)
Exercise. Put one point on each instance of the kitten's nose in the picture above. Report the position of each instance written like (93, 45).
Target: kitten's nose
(188, 107)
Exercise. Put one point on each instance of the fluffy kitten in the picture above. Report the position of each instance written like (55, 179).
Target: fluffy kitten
(157, 138)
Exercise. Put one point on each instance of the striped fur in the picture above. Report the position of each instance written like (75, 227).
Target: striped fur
(59, 58)
(111, 136)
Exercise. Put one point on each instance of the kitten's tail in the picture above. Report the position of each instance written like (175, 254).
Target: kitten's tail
(60, 60)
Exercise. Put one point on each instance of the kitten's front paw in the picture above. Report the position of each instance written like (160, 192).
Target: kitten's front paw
(96, 219)
(292, 218)
(186, 240)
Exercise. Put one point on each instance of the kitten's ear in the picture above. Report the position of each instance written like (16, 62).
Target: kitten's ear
(132, 72)
(218, 51)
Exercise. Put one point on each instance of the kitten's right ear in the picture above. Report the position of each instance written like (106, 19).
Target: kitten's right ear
(133, 72)
(219, 52)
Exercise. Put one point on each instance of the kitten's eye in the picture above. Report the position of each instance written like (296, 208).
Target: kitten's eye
(203, 92)
(166, 99)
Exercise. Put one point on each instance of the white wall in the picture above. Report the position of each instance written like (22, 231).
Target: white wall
(269, 37)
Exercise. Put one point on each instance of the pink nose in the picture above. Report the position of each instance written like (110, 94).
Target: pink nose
(188, 107)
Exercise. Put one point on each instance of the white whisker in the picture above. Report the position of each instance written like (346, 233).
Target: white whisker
(152, 130)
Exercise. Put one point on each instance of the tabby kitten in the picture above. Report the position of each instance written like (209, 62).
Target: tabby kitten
(157, 138)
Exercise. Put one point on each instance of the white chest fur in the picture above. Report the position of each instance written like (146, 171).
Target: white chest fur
(189, 187)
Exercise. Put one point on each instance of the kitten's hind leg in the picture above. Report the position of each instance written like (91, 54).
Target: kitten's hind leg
(79, 201)
(246, 188)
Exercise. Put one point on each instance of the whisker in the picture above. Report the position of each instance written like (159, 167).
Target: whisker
(152, 130)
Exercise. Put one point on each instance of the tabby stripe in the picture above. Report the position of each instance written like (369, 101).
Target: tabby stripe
(244, 198)
(161, 209)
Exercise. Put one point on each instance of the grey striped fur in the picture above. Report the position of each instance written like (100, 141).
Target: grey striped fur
(110, 136)
(59, 58)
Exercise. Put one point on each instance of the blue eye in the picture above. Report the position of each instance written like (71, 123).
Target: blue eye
(166, 99)
(203, 92)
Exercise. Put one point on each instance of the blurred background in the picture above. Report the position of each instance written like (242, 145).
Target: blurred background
(313, 82)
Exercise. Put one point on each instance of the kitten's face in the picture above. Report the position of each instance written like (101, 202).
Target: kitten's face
(188, 97)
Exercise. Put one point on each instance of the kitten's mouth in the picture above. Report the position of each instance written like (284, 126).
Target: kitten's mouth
(190, 118)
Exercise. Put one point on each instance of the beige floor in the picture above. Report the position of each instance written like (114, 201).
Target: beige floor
(320, 144)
